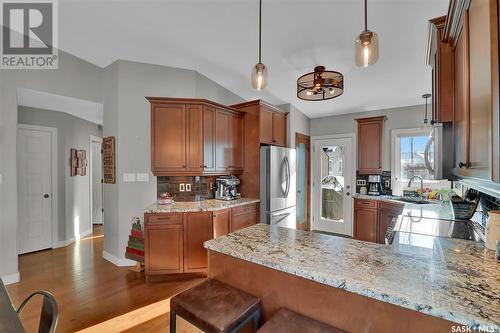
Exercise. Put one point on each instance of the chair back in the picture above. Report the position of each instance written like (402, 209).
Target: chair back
(49, 314)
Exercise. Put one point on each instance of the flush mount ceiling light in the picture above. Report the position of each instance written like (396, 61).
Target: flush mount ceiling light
(259, 71)
(366, 45)
(320, 85)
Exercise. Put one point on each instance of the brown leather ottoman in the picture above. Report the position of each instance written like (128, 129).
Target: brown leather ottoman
(286, 321)
(215, 307)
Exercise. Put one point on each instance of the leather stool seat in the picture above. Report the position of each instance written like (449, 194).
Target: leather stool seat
(215, 307)
(286, 321)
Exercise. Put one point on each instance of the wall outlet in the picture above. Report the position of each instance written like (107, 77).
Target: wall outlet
(188, 187)
(128, 177)
(360, 182)
(143, 177)
(387, 183)
(182, 188)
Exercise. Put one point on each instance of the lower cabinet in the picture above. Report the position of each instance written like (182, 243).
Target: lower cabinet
(174, 241)
(372, 217)
(197, 230)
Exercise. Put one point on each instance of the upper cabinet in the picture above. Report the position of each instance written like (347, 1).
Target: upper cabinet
(370, 145)
(195, 137)
(440, 58)
(264, 124)
(471, 31)
(272, 122)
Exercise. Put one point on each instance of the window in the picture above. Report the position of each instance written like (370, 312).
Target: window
(413, 154)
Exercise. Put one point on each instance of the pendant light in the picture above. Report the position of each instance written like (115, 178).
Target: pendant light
(426, 119)
(259, 71)
(366, 45)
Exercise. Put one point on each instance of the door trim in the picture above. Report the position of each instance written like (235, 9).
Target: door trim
(94, 138)
(302, 138)
(54, 192)
(354, 162)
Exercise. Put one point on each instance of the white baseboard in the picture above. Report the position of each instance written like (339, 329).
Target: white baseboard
(117, 261)
(71, 240)
(11, 278)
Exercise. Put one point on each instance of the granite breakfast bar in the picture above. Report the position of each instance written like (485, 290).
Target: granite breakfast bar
(417, 284)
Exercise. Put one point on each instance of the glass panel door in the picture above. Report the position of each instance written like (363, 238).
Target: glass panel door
(332, 186)
(301, 184)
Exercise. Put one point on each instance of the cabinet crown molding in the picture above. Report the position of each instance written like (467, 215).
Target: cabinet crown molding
(259, 102)
(202, 101)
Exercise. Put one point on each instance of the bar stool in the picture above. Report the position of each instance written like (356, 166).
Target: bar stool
(286, 321)
(215, 307)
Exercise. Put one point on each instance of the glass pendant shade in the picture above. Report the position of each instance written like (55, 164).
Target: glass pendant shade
(366, 49)
(259, 76)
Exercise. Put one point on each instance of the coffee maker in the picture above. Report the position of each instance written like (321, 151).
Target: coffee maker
(226, 188)
(374, 184)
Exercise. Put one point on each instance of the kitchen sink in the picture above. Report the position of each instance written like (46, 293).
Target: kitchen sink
(414, 200)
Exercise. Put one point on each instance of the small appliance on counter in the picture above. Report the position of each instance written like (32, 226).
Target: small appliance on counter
(226, 188)
(374, 184)
(165, 199)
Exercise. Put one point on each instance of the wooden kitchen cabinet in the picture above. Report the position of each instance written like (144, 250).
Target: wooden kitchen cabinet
(209, 139)
(243, 216)
(195, 137)
(221, 220)
(370, 145)
(174, 241)
(197, 230)
(387, 211)
(168, 125)
(373, 217)
(365, 223)
(472, 31)
(440, 58)
(264, 124)
(164, 244)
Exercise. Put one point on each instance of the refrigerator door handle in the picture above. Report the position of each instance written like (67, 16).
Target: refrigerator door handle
(283, 169)
(287, 165)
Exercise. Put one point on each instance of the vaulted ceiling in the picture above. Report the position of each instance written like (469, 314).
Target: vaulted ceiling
(219, 39)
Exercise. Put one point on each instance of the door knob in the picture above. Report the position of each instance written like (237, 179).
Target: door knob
(347, 193)
(45, 195)
(348, 187)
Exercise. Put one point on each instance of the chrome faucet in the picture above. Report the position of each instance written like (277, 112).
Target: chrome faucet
(418, 177)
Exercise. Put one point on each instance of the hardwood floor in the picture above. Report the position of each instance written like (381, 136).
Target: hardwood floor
(93, 294)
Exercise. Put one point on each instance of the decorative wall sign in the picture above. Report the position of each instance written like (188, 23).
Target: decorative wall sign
(78, 162)
(108, 160)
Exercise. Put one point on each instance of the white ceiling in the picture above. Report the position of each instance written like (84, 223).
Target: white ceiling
(219, 39)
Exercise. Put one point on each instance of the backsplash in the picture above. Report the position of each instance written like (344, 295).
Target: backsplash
(200, 187)
(386, 182)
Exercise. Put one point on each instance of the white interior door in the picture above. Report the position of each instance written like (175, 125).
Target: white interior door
(332, 185)
(96, 170)
(34, 161)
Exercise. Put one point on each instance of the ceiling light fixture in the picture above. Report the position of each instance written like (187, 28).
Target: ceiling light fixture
(320, 85)
(366, 45)
(259, 71)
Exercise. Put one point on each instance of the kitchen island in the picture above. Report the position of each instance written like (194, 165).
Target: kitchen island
(417, 284)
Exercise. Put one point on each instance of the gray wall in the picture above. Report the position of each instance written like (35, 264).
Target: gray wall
(297, 123)
(127, 117)
(74, 78)
(73, 192)
(397, 118)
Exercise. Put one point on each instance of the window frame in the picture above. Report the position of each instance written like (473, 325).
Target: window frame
(396, 134)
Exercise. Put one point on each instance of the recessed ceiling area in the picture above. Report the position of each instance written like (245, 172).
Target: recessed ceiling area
(220, 40)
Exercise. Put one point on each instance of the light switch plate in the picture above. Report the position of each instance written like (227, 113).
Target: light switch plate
(128, 177)
(143, 177)
(182, 188)
(188, 187)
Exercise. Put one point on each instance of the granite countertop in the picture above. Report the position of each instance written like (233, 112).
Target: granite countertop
(435, 210)
(452, 279)
(198, 206)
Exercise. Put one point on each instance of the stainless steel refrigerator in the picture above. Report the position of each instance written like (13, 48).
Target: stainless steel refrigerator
(278, 186)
